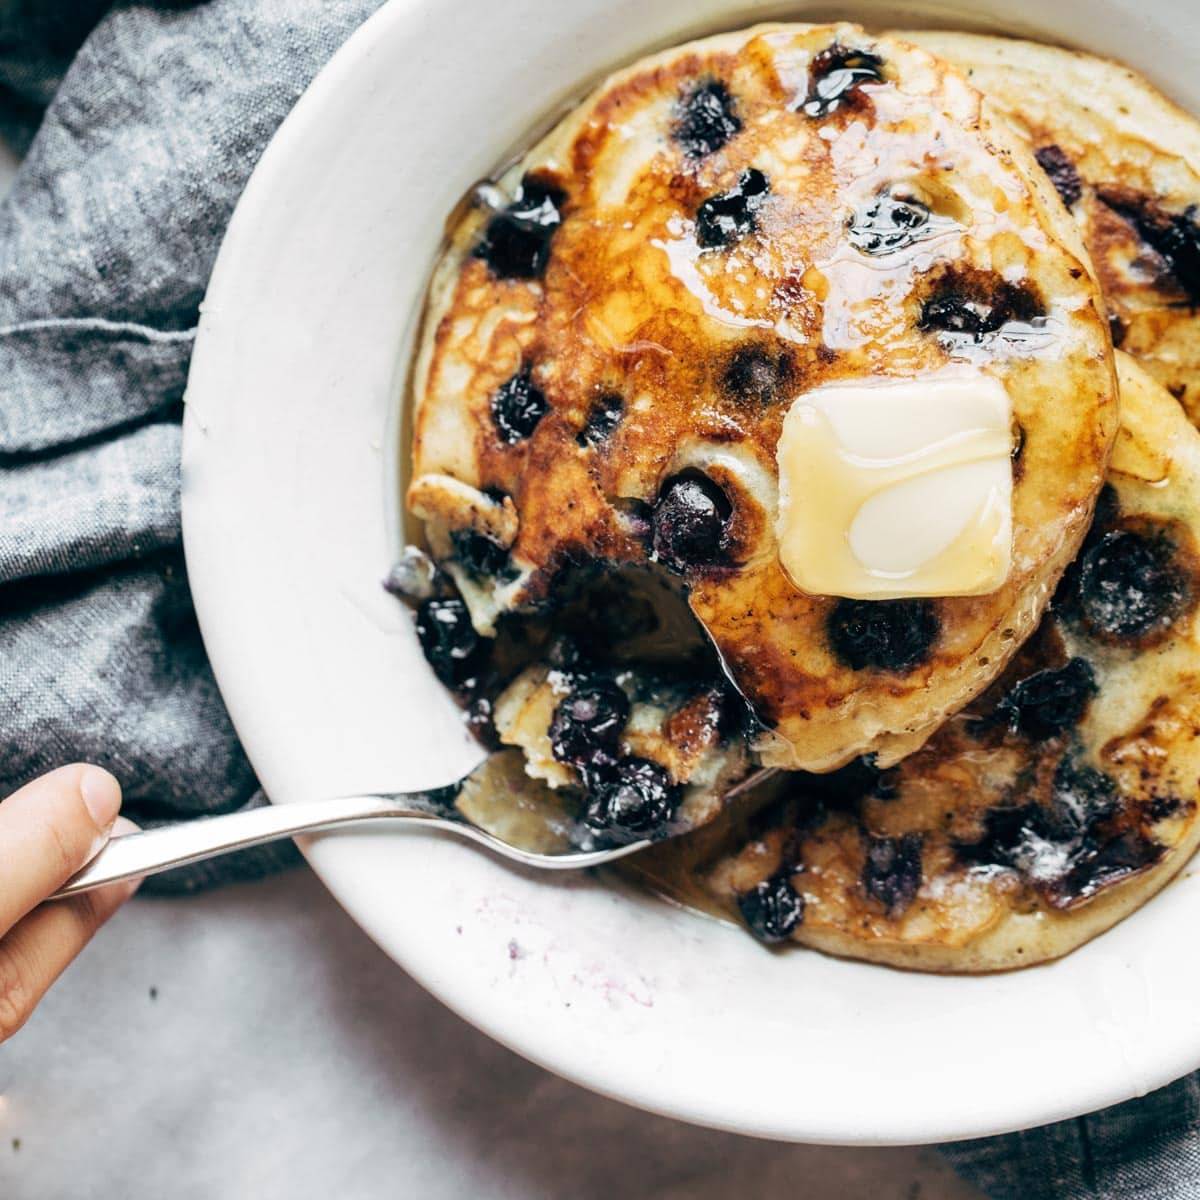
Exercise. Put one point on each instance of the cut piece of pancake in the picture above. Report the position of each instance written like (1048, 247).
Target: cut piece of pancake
(618, 714)
(618, 329)
(1055, 804)
(1126, 160)
(636, 756)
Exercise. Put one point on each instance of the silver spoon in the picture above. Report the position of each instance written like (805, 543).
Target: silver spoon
(150, 851)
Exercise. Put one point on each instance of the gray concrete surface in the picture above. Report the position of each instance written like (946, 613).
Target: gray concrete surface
(254, 1044)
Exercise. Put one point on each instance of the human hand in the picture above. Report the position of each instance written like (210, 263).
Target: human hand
(48, 830)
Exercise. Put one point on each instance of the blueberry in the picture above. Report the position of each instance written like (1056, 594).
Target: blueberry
(449, 640)
(479, 555)
(953, 313)
(1047, 703)
(837, 72)
(1051, 843)
(1124, 855)
(976, 305)
(587, 723)
(413, 576)
(1175, 236)
(888, 635)
(887, 224)
(753, 375)
(1129, 585)
(632, 800)
(518, 406)
(728, 216)
(1012, 836)
(1177, 239)
(1061, 170)
(1105, 516)
(892, 871)
(603, 420)
(689, 521)
(516, 242)
(1080, 798)
(705, 119)
(772, 909)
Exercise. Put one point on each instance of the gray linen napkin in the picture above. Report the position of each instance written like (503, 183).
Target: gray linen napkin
(150, 129)
(153, 125)
(1147, 1149)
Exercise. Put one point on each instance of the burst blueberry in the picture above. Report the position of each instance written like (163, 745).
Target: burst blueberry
(725, 218)
(1049, 702)
(892, 871)
(1081, 796)
(481, 557)
(835, 77)
(516, 242)
(603, 419)
(1127, 854)
(1061, 172)
(977, 305)
(1174, 236)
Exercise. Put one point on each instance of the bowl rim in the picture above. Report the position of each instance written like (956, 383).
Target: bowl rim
(217, 485)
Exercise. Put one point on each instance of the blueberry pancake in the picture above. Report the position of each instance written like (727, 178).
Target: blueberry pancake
(1059, 800)
(1126, 161)
(637, 338)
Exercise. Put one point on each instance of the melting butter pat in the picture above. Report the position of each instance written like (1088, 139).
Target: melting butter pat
(898, 487)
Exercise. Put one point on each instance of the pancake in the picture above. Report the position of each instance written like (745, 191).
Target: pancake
(619, 326)
(635, 756)
(1127, 161)
(624, 726)
(1057, 802)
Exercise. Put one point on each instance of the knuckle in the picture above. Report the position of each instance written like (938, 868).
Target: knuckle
(16, 996)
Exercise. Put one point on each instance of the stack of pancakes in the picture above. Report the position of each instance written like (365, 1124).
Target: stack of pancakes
(614, 335)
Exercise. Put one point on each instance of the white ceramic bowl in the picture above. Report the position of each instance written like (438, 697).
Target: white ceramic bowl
(289, 508)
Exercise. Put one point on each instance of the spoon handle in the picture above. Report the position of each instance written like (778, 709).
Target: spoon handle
(149, 851)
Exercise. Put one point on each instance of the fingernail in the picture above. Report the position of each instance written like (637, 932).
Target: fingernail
(101, 795)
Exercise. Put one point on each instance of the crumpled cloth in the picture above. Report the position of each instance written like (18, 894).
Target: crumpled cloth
(1147, 1149)
(141, 124)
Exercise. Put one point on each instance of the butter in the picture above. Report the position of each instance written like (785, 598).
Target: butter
(898, 487)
